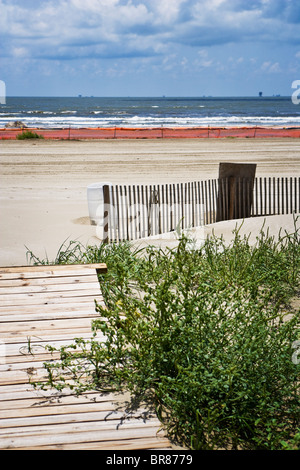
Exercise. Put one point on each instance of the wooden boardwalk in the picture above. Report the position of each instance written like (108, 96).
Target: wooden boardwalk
(53, 305)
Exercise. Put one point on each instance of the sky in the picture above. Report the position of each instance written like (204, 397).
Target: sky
(149, 47)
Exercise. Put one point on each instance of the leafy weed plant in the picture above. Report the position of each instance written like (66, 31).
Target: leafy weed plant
(29, 135)
(205, 334)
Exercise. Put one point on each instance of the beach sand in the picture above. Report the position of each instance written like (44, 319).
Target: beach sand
(43, 199)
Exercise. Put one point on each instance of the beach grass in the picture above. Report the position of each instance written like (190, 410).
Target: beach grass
(209, 337)
(29, 135)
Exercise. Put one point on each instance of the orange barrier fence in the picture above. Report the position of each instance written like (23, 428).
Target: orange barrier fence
(155, 133)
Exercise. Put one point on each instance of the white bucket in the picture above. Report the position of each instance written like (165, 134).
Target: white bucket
(96, 203)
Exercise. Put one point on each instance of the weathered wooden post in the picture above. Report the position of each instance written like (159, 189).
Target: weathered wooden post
(106, 203)
(235, 195)
(232, 188)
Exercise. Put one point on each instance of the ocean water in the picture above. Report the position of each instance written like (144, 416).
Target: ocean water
(80, 112)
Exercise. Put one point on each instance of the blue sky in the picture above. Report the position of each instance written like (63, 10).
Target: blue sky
(149, 47)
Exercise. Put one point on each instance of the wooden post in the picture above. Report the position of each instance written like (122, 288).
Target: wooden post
(234, 200)
(106, 213)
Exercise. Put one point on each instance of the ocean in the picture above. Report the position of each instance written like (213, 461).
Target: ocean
(85, 112)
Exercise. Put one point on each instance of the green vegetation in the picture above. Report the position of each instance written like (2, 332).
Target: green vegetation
(206, 335)
(29, 135)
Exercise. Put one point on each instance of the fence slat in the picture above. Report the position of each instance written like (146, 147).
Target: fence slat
(106, 202)
(133, 212)
(298, 209)
(205, 197)
(278, 197)
(256, 196)
(291, 195)
(214, 196)
(111, 221)
(274, 197)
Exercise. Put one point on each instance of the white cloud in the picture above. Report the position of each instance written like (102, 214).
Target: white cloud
(19, 52)
(158, 39)
(108, 28)
(275, 68)
(270, 67)
(166, 12)
(95, 6)
(203, 53)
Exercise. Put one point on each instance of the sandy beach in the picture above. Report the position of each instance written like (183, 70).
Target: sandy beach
(43, 199)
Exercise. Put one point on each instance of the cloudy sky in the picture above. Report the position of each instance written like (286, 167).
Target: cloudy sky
(149, 47)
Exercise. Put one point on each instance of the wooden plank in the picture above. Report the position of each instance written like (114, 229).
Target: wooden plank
(13, 317)
(143, 212)
(157, 204)
(135, 215)
(34, 348)
(13, 392)
(206, 202)
(51, 270)
(54, 313)
(18, 347)
(75, 304)
(291, 195)
(200, 205)
(44, 325)
(282, 196)
(184, 205)
(19, 344)
(23, 377)
(49, 430)
(29, 423)
(35, 298)
(173, 222)
(45, 407)
(31, 397)
(124, 445)
(117, 213)
(19, 363)
(130, 217)
(165, 208)
(122, 214)
(23, 276)
(59, 404)
(43, 275)
(15, 360)
(47, 337)
(51, 327)
(112, 219)
(274, 196)
(49, 281)
(20, 376)
(77, 437)
(297, 199)
(30, 287)
(189, 202)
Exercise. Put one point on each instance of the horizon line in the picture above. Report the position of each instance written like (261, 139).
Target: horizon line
(149, 97)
